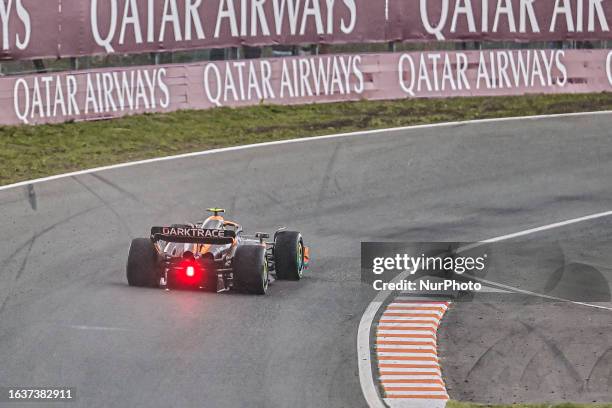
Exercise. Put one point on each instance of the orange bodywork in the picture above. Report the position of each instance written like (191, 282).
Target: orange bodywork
(205, 248)
(306, 256)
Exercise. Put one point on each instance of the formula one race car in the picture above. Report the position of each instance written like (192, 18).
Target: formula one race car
(216, 256)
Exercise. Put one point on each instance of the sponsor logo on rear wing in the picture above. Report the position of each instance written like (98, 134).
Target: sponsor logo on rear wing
(192, 235)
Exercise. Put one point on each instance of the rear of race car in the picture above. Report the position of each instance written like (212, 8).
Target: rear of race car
(184, 257)
(190, 257)
(188, 271)
(194, 257)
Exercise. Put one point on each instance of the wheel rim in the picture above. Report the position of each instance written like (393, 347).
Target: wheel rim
(265, 276)
(300, 259)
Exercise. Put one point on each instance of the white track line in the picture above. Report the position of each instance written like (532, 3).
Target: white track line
(364, 349)
(534, 230)
(302, 140)
(528, 232)
(535, 294)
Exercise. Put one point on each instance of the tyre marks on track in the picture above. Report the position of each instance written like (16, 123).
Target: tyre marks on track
(409, 371)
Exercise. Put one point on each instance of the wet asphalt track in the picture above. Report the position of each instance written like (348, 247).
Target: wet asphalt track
(67, 316)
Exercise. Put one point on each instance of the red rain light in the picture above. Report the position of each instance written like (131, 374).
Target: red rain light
(190, 271)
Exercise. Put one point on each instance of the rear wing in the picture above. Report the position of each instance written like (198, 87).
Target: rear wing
(192, 235)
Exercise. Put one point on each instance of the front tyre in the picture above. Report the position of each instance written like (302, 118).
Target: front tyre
(143, 267)
(251, 269)
(289, 255)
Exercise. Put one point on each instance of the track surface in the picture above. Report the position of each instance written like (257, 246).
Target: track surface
(68, 318)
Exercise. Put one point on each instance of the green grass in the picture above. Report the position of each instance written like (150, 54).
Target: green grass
(455, 404)
(28, 152)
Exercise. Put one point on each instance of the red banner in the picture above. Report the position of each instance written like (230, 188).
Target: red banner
(66, 28)
(107, 93)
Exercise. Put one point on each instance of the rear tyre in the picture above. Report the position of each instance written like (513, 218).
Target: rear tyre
(143, 267)
(251, 269)
(289, 255)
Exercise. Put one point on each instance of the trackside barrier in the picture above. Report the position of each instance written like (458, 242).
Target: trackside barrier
(68, 28)
(115, 92)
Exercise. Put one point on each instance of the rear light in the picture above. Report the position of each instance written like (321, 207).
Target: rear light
(190, 271)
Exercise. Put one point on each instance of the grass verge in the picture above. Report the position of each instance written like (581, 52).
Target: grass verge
(28, 152)
(455, 404)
